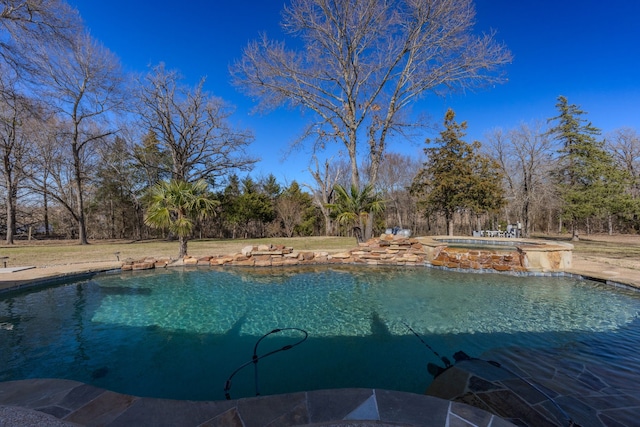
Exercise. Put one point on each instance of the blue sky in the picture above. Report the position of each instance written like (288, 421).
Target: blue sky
(586, 50)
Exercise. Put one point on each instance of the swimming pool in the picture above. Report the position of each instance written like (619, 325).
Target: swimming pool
(180, 333)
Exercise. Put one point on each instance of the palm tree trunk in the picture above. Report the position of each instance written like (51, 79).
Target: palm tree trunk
(183, 246)
(369, 230)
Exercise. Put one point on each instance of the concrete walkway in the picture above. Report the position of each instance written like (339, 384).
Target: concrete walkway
(605, 272)
(11, 279)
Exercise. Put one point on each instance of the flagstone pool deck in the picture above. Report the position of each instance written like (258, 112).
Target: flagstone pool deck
(64, 402)
(58, 402)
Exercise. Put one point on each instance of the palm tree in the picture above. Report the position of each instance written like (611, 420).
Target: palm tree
(354, 207)
(175, 205)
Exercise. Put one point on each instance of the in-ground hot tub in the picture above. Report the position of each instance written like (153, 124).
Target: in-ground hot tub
(499, 254)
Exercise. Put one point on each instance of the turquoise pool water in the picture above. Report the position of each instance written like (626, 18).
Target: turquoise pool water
(181, 333)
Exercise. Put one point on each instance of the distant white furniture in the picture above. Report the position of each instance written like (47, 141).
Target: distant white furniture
(513, 231)
(397, 231)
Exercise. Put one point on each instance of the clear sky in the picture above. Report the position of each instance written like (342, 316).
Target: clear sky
(586, 50)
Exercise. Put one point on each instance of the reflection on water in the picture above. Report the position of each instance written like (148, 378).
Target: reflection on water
(180, 333)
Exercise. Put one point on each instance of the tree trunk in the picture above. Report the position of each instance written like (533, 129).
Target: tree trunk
(139, 221)
(449, 219)
(398, 215)
(82, 227)
(525, 217)
(361, 225)
(112, 231)
(610, 224)
(328, 228)
(45, 202)
(11, 196)
(368, 234)
(351, 149)
(11, 213)
(183, 246)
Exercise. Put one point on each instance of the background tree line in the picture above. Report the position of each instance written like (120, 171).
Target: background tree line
(84, 143)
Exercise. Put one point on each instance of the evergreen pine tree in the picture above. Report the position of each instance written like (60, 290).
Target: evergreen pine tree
(588, 181)
(457, 177)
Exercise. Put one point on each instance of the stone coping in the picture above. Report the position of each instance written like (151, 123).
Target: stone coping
(394, 250)
(73, 403)
(513, 255)
(497, 242)
(387, 250)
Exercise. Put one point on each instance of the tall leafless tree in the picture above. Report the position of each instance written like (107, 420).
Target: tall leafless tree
(624, 144)
(193, 126)
(395, 176)
(84, 89)
(16, 124)
(45, 161)
(27, 27)
(525, 155)
(325, 178)
(362, 63)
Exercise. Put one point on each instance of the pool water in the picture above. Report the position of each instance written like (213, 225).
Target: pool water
(180, 333)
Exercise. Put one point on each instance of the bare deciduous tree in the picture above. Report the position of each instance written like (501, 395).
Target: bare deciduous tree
(525, 156)
(325, 179)
(394, 180)
(193, 126)
(16, 120)
(84, 81)
(290, 207)
(27, 28)
(624, 144)
(363, 62)
(44, 159)
(29, 23)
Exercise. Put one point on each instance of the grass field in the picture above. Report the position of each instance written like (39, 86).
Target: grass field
(41, 253)
(621, 250)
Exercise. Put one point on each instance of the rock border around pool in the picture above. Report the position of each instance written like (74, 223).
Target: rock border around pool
(382, 251)
(489, 255)
(499, 254)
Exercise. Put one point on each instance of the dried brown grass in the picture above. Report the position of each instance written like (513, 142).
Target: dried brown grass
(41, 253)
(620, 250)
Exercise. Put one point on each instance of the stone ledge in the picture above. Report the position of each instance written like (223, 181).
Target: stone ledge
(385, 250)
(497, 254)
(522, 257)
